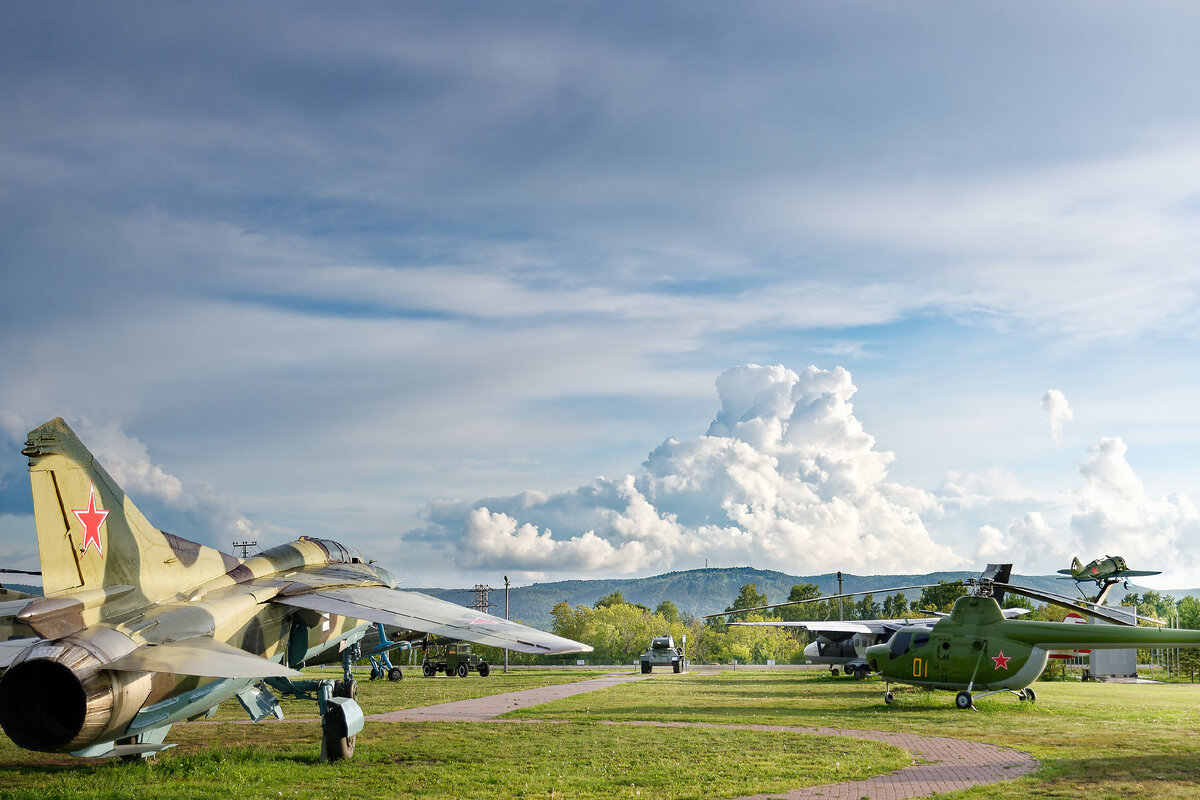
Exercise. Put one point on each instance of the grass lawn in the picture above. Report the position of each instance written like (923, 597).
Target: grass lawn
(1094, 741)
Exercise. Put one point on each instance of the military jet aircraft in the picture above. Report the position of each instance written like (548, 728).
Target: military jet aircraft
(1110, 569)
(140, 629)
(976, 652)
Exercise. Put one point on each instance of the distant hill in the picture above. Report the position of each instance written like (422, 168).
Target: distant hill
(708, 591)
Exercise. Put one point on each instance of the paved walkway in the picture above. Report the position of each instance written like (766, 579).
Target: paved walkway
(946, 764)
(482, 709)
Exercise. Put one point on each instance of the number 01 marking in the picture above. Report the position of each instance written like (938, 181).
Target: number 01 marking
(920, 668)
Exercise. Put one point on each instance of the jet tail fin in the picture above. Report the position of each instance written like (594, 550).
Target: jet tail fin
(90, 535)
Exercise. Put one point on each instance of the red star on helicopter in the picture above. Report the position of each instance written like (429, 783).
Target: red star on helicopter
(1001, 660)
(91, 518)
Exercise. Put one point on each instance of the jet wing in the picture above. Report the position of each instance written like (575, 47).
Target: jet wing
(420, 612)
(12, 648)
(200, 656)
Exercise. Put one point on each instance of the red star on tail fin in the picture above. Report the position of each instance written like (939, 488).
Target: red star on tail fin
(91, 518)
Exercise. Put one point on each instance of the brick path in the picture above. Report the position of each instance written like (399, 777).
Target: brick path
(948, 764)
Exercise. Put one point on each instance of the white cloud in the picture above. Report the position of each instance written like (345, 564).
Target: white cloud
(194, 510)
(786, 478)
(1028, 541)
(1116, 516)
(1110, 513)
(1058, 412)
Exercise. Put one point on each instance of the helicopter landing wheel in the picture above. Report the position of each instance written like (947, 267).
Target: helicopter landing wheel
(889, 698)
(963, 700)
(1029, 694)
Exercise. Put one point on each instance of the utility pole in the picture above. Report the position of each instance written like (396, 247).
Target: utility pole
(840, 599)
(245, 548)
(506, 617)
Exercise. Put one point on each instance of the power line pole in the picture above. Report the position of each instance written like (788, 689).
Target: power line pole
(506, 617)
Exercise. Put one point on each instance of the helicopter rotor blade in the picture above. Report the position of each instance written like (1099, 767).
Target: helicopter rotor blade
(888, 590)
(1082, 606)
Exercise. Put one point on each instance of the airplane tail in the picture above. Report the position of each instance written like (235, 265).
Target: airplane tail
(1076, 566)
(91, 536)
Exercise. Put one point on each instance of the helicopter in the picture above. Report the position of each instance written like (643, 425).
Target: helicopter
(978, 650)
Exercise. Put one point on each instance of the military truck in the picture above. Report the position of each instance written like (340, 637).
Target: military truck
(454, 659)
(662, 653)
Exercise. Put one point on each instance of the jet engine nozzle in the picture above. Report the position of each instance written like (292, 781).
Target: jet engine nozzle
(56, 696)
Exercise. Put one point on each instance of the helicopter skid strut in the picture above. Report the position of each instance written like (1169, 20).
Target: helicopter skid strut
(965, 699)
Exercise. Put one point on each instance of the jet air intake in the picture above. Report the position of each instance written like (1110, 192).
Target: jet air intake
(57, 697)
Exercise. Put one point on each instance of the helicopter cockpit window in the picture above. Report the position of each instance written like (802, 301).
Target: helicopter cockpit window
(900, 643)
(920, 640)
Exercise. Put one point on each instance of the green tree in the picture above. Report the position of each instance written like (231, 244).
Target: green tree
(1189, 661)
(614, 599)
(940, 597)
(867, 608)
(1156, 605)
(748, 597)
(895, 606)
(668, 611)
(805, 610)
(1189, 613)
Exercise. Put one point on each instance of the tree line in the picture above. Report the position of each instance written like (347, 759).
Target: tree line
(620, 631)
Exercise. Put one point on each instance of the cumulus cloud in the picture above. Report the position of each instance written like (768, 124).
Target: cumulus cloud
(1109, 513)
(193, 510)
(1058, 412)
(785, 478)
(1116, 515)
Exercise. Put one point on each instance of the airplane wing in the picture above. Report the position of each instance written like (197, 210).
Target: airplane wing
(420, 612)
(200, 656)
(818, 627)
(875, 626)
(1136, 573)
(11, 648)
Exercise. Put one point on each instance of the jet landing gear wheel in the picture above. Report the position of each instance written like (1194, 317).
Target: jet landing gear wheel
(394, 674)
(335, 744)
(963, 700)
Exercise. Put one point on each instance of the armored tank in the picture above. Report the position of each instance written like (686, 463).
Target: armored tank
(662, 653)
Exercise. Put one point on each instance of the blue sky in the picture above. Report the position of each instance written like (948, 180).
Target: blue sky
(415, 276)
